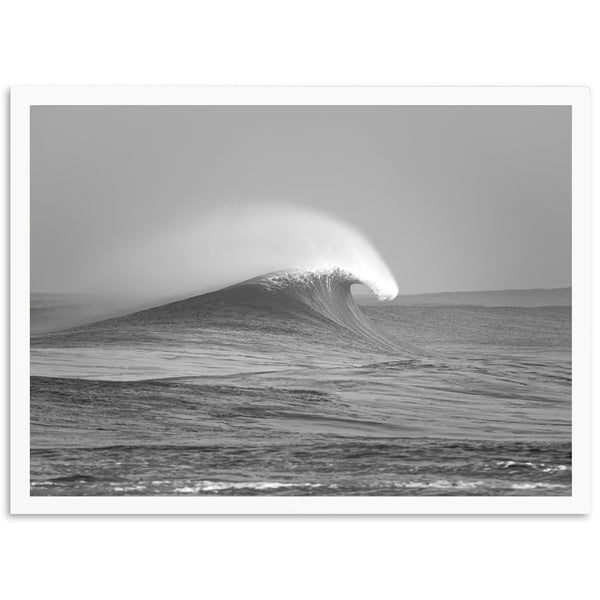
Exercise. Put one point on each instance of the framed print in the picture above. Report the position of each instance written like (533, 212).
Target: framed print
(344, 300)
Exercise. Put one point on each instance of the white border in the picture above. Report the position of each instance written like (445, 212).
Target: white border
(22, 97)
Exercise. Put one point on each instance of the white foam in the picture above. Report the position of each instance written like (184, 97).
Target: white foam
(130, 488)
(533, 486)
(440, 484)
(217, 486)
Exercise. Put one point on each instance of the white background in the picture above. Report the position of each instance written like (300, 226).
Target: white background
(417, 43)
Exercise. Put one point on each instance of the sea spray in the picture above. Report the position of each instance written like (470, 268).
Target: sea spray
(236, 243)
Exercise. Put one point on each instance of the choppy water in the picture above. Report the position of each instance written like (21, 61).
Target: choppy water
(228, 397)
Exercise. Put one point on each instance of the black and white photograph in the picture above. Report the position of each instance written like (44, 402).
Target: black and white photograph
(300, 300)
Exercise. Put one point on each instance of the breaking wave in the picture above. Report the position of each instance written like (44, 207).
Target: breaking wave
(327, 293)
(288, 272)
(284, 302)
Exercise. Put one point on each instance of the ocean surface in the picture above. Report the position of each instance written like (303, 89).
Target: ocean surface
(283, 385)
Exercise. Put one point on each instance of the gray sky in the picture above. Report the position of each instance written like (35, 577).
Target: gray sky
(453, 198)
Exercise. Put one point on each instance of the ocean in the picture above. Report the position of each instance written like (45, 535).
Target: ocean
(285, 385)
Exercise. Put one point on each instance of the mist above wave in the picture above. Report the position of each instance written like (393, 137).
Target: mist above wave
(234, 244)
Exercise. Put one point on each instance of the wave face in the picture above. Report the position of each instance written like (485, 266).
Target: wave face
(328, 293)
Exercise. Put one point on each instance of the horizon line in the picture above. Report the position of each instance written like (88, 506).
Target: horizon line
(535, 289)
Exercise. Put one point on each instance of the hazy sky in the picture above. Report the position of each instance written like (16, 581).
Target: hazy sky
(453, 198)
